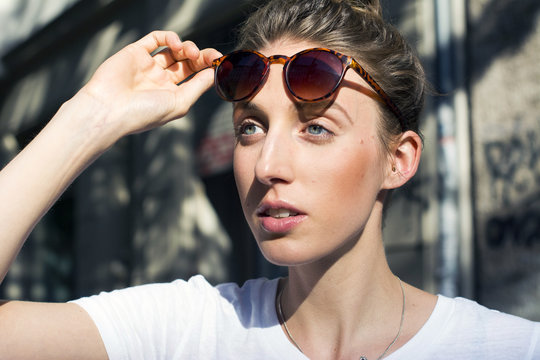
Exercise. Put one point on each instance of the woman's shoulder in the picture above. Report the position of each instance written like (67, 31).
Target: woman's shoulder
(462, 328)
(461, 310)
(483, 331)
(197, 287)
(252, 288)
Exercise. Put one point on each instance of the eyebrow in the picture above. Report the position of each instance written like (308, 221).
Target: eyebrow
(246, 105)
(321, 107)
(314, 106)
(303, 108)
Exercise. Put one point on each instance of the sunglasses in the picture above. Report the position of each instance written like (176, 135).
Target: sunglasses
(310, 75)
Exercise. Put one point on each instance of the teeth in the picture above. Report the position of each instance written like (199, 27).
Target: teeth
(280, 213)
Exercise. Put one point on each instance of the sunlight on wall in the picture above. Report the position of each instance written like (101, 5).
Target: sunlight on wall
(20, 18)
(100, 47)
(25, 102)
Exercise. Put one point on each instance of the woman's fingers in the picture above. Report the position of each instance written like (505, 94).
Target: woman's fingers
(210, 55)
(146, 86)
(182, 69)
(187, 93)
(180, 59)
(188, 51)
(173, 48)
(157, 39)
(203, 60)
(168, 56)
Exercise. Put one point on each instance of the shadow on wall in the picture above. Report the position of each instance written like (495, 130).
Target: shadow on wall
(497, 33)
(140, 213)
(511, 260)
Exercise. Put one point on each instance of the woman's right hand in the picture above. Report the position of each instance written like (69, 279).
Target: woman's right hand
(139, 91)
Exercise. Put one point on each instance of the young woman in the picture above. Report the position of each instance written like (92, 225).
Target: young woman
(322, 136)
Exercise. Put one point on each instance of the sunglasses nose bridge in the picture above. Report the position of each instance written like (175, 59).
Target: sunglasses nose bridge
(278, 59)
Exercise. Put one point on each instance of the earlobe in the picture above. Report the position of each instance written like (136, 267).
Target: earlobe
(404, 160)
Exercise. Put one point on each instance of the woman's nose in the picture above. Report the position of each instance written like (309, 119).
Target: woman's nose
(275, 162)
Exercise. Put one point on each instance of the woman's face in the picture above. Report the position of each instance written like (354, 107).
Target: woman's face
(308, 174)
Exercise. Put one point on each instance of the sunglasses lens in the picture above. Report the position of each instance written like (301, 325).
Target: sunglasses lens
(314, 75)
(239, 75)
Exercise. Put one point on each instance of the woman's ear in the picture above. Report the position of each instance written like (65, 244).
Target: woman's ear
(404, 160)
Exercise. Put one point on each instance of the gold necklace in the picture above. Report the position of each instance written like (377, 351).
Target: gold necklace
(282, 320)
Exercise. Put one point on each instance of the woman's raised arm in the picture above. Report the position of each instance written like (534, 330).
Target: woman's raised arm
(130, 92)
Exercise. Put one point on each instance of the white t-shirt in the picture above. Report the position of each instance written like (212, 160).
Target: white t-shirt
(194, 320)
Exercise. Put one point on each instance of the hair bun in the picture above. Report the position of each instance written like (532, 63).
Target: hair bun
(372, 7)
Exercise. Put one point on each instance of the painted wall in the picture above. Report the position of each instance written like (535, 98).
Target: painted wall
(504, 47)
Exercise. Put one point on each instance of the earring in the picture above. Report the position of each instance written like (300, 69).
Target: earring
(393, 168)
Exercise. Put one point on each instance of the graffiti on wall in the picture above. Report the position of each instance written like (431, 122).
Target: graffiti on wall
(520, 228)
(513, 166)
(514, 169)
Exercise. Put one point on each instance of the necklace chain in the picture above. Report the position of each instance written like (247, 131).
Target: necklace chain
(282, 320)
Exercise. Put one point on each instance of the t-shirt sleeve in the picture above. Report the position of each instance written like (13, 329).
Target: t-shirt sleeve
(462, 329)
(474, 331)
(502, 336)
(148, 321)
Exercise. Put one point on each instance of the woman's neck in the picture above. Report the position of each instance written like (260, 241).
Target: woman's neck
(349, 298)
(344, 289)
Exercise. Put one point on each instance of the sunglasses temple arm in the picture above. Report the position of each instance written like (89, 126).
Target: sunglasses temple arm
(192, 75)
(382, 95)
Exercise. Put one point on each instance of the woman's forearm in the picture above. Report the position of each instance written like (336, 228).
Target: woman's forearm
(35, 178)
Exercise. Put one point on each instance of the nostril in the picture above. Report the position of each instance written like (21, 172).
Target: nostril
(273, 171)
(275, 163)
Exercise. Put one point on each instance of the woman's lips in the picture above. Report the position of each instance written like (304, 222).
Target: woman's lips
(279, 218)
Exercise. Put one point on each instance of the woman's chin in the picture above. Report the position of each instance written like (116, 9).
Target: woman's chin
(278, 252)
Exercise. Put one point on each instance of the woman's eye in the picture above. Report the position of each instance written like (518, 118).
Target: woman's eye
(316, 130)
(251, 129)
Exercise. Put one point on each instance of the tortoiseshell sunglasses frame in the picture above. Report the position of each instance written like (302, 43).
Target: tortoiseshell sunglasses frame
(347, 62)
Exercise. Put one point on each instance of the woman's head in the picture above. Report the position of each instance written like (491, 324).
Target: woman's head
(311, 175)
(355, 28)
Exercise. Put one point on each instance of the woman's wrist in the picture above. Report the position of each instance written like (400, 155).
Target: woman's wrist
(89, 122)
(37, 176)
